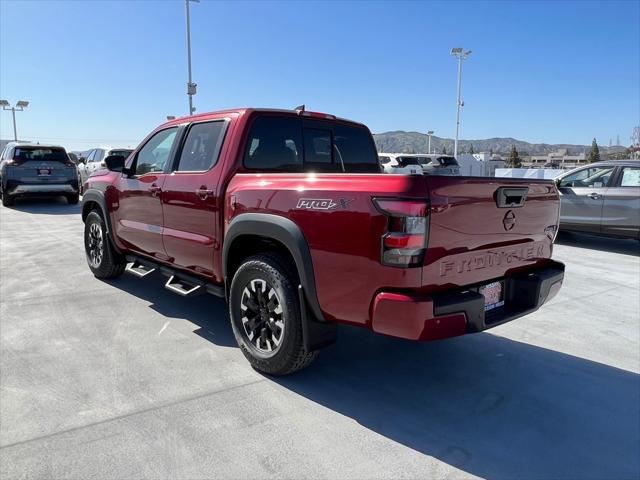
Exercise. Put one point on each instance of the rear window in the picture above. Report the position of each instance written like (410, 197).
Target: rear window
(123, 153)
(275, 143)
(290, 144)
(447, 161)
(406, 161)
(25, 154)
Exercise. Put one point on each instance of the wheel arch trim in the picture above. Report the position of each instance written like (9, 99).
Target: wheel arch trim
(93, 195)
(288, 234)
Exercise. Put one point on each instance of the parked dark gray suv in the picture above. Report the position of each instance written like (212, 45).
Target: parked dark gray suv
(28, 169)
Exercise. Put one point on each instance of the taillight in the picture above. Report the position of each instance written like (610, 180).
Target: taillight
(14, 162)
(405, 241)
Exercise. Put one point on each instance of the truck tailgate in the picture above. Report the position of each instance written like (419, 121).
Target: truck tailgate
(473, 240)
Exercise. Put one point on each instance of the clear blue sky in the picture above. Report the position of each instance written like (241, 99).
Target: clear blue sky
(109, 72)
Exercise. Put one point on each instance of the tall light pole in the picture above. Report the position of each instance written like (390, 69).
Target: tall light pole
(430, 132)
(460, 55)
(191, 87)
(20, 106)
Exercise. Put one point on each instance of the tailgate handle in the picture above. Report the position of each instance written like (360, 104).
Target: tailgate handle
(511, 197)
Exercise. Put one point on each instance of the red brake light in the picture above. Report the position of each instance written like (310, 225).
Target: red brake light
(317, 115)
(405, 241)
(402, 240)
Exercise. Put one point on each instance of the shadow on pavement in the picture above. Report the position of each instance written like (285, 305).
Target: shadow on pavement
(46, 206)
(595, 242)
(487, 405)
(206, 311)
(492, 407)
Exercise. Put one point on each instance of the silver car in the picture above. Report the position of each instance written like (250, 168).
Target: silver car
(602, 198)
(28, 169)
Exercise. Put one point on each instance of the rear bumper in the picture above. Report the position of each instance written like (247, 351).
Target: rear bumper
(453, 313)
(14, 187)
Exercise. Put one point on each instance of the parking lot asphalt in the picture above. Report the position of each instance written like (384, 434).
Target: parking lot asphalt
(122, 379)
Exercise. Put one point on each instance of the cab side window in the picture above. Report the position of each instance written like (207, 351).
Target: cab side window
(595, 177)
(91, 156)
(154, 155)
(202, 146)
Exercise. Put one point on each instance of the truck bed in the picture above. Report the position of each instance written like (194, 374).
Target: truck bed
(344, 234)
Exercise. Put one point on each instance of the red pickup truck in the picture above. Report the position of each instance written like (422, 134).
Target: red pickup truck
(287, 215)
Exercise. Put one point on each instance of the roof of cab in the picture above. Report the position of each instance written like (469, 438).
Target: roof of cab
(245, 111)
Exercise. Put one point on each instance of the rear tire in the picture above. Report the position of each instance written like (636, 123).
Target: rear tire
(102, 258)
(265, 315)
(73, 199)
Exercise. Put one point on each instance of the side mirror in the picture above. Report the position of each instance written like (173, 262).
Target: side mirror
(115, 163)
(82, 160)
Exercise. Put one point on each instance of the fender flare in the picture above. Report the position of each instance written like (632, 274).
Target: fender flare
(97, 196)
(286, 232)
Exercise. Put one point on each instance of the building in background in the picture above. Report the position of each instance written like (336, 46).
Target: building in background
(558, 159)
(481, 164)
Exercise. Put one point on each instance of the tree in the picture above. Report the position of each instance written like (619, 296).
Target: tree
(594, 153)
(514, 159)
(444, 149)
(471, 150)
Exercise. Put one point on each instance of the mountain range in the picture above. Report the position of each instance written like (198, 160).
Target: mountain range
(414, 142)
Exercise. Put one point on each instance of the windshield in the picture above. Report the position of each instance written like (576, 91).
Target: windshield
(42, 154)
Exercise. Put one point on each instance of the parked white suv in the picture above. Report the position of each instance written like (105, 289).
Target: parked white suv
(431, 164)
(94, 160)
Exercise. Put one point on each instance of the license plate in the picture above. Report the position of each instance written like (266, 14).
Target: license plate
(44, 171)
(493, 295)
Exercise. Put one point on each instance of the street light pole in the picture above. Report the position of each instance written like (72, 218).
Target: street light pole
(460, 55)
(191, 87)
(15, 132)
(430, 132)
(20, 106)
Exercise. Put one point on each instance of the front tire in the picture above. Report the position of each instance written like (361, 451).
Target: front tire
(265, 315)
(102, 258)
(7, 200)
(73, 199)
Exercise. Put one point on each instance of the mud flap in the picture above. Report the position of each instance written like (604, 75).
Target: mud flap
(315, 334)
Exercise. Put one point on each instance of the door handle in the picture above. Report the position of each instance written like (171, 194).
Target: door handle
(155, 189)
(594, 196)
(204, 192)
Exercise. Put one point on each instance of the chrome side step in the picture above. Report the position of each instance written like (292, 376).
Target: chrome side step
(139, 269)
(182, 287)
